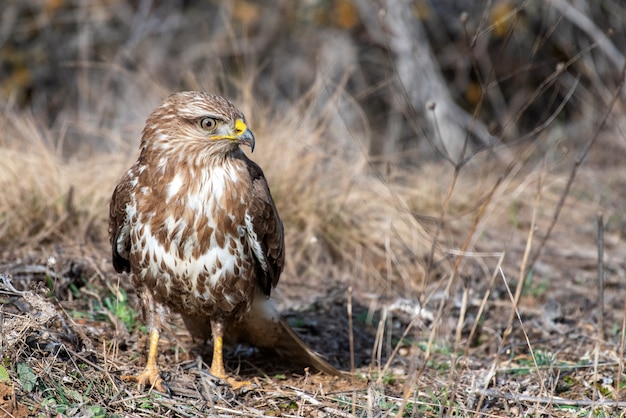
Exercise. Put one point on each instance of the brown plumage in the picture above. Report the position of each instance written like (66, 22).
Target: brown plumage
(194, 223)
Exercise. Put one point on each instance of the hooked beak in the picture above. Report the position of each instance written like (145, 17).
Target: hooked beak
(243, 135)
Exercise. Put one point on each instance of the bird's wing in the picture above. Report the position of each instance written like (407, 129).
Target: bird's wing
(119, 225)
(265, 231)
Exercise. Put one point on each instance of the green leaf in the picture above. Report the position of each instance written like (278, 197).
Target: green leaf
(97, 411)
(27, 377)
(4, 374)
(73, 395)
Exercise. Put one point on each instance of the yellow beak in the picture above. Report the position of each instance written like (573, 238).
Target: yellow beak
(243, 135)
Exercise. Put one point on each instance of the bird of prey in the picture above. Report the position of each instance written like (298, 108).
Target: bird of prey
(195, 225)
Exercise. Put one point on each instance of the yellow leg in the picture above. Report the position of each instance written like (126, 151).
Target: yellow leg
(217, 364)
(150, 375)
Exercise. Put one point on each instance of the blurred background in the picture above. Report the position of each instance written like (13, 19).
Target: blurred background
(490, 67)
(442, 161)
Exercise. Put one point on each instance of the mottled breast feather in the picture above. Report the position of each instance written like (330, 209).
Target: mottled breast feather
(193, 220)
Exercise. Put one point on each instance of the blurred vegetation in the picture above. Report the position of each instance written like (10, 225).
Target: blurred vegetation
(499, 58)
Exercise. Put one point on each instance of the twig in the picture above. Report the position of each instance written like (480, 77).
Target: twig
(516, 314)
(620, 364)
(600, 222)
(483, 303)
(583, 22)
(523, 270)
(33, 270)
(577, 164)
(351, 332)
(554, 400)
(310, 399)
(378, 342)
(454, 374)
(6, 281)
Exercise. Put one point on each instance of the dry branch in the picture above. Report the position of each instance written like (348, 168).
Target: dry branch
(580, 20)
(419, 77)
(552, 400)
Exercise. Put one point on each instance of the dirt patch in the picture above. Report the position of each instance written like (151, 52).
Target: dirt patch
(9, 404)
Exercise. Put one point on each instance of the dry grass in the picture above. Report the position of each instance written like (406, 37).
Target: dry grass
(456, 309)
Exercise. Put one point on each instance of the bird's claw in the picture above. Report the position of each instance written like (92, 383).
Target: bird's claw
(231, 381)
(149, 378)
(238, 384)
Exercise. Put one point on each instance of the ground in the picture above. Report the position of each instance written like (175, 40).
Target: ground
(71, 329)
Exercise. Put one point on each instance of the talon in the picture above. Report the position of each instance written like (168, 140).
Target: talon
(238, 384)
(231, 381)
(217, 364)
(149, 378)
(150, 375)
(234, 383)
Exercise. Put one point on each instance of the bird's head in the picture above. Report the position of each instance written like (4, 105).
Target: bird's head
(196, 122)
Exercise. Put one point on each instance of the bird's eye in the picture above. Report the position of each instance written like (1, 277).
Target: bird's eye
(208, 123)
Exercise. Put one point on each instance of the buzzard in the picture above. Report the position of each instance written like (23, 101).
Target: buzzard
(195, 225)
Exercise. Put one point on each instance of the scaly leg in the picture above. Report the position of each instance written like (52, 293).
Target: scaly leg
(217, 364)
(150, 375)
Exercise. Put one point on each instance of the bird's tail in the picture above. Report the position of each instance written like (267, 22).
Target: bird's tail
(291, 345)
(264, 328)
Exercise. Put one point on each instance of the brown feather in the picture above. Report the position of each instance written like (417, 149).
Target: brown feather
(291, 346)
(195, 224)
(117, 221)
(268, 228)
